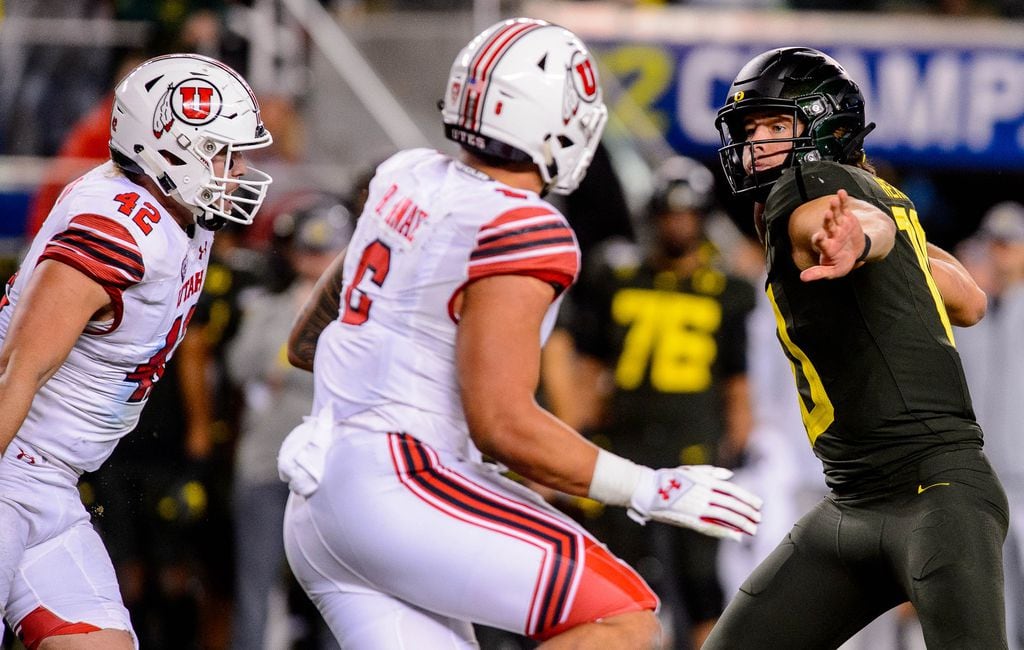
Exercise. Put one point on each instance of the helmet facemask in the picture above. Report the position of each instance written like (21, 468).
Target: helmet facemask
(247, 191)
(565, 160)
(737, 150)
(807, 85)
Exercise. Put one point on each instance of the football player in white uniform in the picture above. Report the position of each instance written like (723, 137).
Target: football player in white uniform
(426, 354)
(87, 324)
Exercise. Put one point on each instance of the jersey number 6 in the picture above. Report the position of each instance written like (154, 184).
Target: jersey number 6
(356, 305)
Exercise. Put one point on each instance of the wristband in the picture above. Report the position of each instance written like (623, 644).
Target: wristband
(615, 479)
(867, 249)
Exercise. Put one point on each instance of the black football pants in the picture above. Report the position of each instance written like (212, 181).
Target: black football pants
(936, 542)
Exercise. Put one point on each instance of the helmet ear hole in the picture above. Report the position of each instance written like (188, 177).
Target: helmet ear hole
(565, 141)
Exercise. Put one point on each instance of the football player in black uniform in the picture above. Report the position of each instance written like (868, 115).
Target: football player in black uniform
(864, 307)
(668, 324)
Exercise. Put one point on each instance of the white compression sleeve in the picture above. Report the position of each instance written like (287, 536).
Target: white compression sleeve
(615, 479)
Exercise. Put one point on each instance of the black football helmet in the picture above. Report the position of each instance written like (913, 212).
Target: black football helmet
(816, 90)
(681, 184)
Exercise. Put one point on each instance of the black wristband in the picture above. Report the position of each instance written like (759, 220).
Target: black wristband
(867, 249)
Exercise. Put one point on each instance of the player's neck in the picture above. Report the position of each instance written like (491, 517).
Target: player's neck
(523, 177)
(182, 215)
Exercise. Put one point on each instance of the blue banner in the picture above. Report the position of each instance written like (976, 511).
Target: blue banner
(935, 107)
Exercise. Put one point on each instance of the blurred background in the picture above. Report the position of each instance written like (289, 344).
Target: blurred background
(345, 83)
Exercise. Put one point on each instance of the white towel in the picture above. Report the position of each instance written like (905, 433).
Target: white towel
(300, 462)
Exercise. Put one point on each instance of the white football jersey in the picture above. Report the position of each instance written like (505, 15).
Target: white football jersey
(118, 234)
(430, 226)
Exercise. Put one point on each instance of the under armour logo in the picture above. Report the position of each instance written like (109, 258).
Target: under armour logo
(202, 250)
(666, 492)
(25, 456)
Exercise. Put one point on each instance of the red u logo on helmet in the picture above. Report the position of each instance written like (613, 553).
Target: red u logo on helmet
(195, 102)
(587, 79)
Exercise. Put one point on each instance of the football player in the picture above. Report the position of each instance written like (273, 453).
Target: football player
(91, 318)
(424, 340)
(864, 307)
(667, 325)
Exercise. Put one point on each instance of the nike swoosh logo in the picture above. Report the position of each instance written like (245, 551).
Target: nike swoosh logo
(922, 488)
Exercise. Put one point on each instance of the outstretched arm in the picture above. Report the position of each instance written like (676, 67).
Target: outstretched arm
(320, 309)
(498, 364)
(830, 236)
(498, 357)
(53, 311)
(965, 301)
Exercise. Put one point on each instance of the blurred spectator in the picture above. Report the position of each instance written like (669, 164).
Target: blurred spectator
(149, 503)
(213, 403)
(597, 210)
(780, 464)
(276, 397)
(669, 326)
(85, 147)
(60, 82)
(282, 113)
(993, 361)
(600, 218)
(167, 486)
(188, 26)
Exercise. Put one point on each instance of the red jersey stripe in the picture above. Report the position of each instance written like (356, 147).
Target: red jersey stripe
(101, 248)
(99, 272)
(105, 225)
(532, 240)
(518, 214)
(516, 243)
(41, 624)
(557, 269)
(522, 228)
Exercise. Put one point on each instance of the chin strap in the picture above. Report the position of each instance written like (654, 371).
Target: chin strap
(212, 223)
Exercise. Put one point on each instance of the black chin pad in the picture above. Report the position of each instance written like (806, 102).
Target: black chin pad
(207, 222)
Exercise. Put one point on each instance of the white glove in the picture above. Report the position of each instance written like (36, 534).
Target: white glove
(693, 496)
(698, 497)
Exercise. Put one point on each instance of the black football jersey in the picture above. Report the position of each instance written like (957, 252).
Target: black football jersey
(670, 341)
(880, 381)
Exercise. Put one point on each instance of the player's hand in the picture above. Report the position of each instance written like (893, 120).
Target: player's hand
(838, 243)
(698, 497)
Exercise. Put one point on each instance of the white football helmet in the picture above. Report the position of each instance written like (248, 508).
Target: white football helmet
(172, 115)
(526, 90)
